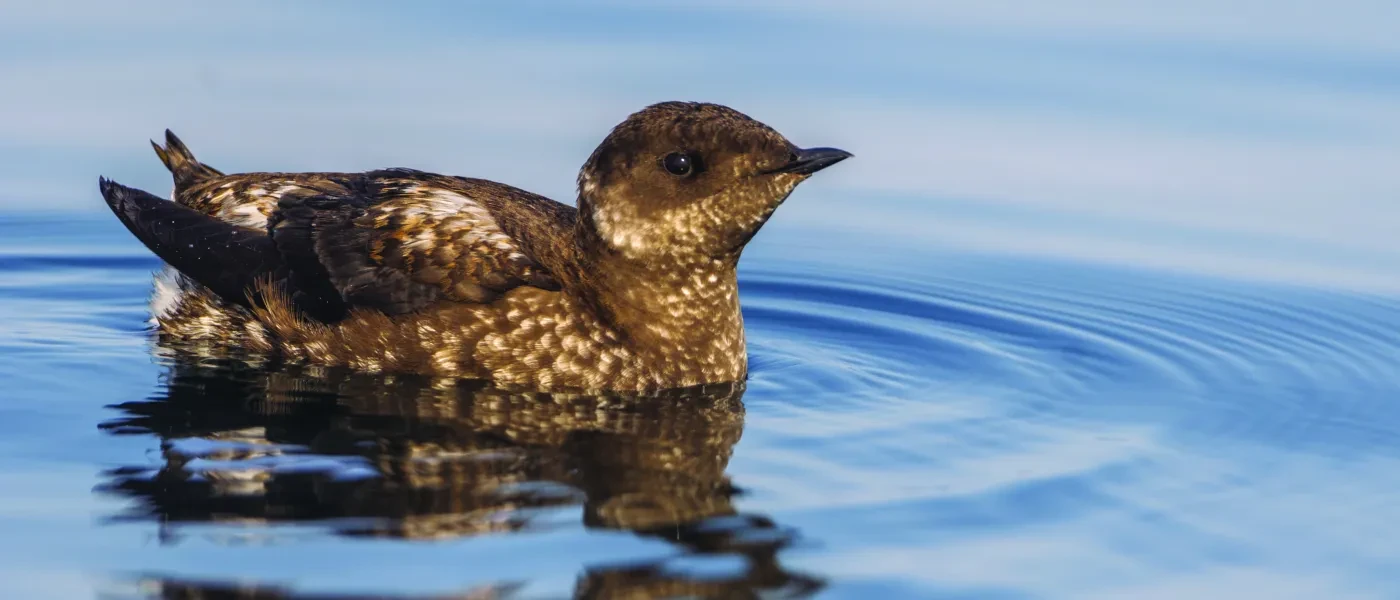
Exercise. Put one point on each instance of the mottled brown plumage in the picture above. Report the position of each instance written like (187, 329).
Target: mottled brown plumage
(403, 271)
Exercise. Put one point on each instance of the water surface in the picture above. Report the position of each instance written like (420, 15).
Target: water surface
(918, 424)
(1104, 306)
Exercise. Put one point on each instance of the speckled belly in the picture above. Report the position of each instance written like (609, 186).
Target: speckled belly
(528, 337)
(188, 313)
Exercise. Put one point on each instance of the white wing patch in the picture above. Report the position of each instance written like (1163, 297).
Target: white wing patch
(253, 210)
(441, 205)
(246, 215)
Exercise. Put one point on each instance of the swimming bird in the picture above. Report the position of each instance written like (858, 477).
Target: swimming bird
(404, 271)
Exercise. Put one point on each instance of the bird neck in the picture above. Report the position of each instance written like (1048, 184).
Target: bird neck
(681, 307)
(686, 301)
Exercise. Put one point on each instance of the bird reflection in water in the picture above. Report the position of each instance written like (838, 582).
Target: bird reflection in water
(416, 458)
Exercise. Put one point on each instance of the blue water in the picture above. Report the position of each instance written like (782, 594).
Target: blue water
(918, 424)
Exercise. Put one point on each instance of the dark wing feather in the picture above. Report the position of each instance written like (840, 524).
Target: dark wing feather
(308, 283)
(408, 246)
(226, 259)
(319, 236)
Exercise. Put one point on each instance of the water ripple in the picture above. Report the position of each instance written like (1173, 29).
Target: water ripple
(986, 417)
(1027, 400)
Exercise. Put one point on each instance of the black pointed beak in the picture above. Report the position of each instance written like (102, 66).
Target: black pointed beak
(810, 160)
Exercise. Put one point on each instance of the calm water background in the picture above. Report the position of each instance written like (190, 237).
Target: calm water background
(1104, 307)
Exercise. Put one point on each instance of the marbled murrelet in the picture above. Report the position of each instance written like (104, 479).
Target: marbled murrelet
(401, 271)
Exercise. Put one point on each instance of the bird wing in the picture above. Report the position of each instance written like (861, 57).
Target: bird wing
(242, 199)
(224, 258)
(397, 245)
(392, 241)
(250, 199)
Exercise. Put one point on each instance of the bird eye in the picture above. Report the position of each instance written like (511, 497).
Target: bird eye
(678, 164)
